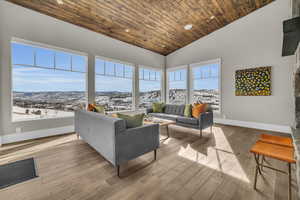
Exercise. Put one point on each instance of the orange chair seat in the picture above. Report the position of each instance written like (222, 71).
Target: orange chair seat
(278, 152)
(284, 141)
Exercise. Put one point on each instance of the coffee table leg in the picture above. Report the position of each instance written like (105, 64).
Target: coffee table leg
(168, 134)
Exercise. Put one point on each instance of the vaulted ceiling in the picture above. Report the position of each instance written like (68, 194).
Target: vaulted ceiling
(157, 25)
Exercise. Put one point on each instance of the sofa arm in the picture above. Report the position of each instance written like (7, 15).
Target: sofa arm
(135, 142)
(206, 120)
(149, 110)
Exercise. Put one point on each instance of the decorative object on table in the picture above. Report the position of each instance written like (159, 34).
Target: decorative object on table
(162, 123)
(253, 82)
(158, 107)
(132, 121)
(17, 172)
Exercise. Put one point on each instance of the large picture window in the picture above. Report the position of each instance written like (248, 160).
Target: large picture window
(47, 83)
(150, 87)
(205, 85)
(114, 83)
(177, 86)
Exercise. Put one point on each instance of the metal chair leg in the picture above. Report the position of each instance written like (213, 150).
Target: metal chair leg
(262, 163)
(255, 178)
(290, 181)
(200, 133)
(256, 157)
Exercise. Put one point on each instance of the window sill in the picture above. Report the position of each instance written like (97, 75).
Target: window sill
(40, 119)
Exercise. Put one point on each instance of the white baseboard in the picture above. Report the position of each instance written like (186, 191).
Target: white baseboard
(17, 137)
(255, 125)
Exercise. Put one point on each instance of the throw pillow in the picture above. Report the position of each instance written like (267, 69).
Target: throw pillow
(158, 107)
(91, 107)
(198, 109)
(99, 109)
(188, 110)
(96, 108)
(132, 121)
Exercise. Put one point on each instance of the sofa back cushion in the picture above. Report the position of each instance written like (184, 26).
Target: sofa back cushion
(174, 109)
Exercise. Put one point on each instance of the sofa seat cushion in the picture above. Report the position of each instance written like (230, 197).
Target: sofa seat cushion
(164, 116)
(188, 120)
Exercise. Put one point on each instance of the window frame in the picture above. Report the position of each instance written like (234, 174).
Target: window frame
(191, 79)
(51, 48)
(186, 67)
(132, 80)
(162, 95)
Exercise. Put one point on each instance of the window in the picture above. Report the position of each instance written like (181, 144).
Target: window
(177, 86)
(46, 83)
(205, 84)
(114, 81)
(150, 87)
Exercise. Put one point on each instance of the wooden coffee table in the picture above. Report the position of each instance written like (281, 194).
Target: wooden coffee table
(162, 123)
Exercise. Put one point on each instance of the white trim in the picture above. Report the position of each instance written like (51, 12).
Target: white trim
(17, 137)
(255, 125)
(114, 60)
(191, 79)
(173, 69)
(46, 46)
(208, 62)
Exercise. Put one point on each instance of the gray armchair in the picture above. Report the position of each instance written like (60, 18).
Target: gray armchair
(112, 140)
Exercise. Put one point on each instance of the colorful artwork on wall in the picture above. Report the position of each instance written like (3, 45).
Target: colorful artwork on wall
(253, 82)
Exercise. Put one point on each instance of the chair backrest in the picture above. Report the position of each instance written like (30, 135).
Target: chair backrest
(99, 131)
(174, 109)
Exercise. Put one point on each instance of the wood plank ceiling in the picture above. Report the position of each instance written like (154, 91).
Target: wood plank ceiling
(157, 25)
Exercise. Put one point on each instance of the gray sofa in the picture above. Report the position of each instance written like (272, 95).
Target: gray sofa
(112, 140)
(176, 113)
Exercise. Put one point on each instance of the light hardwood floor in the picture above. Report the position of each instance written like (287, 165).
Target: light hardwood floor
(216, 167)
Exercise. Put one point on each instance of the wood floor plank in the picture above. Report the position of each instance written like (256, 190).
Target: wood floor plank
(217, 166)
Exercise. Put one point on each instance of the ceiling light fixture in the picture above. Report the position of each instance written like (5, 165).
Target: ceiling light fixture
(60, 2)
(188, 26)
(127, 30)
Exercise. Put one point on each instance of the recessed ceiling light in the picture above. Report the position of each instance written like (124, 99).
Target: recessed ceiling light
(127, 30)
(60, 2)
(188, 26)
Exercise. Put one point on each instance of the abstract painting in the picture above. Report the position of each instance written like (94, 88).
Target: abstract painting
(253, 82)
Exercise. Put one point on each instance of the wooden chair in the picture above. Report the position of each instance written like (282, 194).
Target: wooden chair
(275, 147)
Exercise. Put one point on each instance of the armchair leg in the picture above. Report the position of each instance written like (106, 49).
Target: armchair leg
(118, 170)
(155, 154)
(200, 133)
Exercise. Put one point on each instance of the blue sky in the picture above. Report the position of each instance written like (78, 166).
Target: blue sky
(30, 79)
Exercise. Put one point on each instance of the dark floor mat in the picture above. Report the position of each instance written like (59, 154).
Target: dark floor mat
(17, 172)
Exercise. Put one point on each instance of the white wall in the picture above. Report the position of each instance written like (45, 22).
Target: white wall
(16, 21)
(252, 41)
